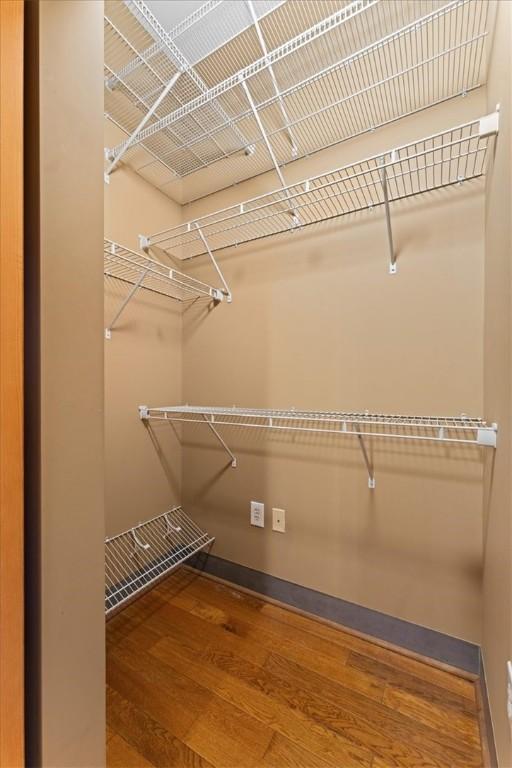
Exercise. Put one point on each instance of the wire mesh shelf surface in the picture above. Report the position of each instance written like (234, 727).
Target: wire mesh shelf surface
(443, 159)
(136, 559)
(453, 429)
(139, 269)
(329, 70)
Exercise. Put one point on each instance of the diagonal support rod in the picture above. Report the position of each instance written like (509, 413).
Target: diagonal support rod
(158, 33)
(226, 290)
(142, 123)
(263, 46)
(221, 441)
(263, 132)
(384, 180)
(138, 284)
(369, 464)
(292, 212)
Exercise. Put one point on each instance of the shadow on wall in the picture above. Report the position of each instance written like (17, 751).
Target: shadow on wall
(318, 235)
(143, 363)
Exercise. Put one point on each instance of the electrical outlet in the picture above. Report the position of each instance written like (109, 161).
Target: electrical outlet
(278, 520)
(258, 514)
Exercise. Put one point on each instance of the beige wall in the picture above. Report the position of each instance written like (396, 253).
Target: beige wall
(70, 650)
(497, 635)
(316, 322)
(143, 364)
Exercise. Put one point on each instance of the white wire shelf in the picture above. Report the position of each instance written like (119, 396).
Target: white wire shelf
(317, 73)
(456, 430)
(450, 157)
(141, 271)
(137, 559)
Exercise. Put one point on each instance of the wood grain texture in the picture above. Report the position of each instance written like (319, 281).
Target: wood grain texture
(296, 614)
(11, 384)
(237, 685)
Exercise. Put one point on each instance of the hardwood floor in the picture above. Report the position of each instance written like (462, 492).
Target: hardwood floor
(203, 676)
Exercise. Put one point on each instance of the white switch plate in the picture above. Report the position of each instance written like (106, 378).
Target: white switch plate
(278, 520)
(258, 514)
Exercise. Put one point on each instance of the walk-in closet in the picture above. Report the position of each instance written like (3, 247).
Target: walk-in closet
(269, 449)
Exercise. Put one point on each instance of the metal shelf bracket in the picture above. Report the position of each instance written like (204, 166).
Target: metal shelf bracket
(144, 415)
(227, 293)
(369, 464)
(221, 440)
(384, 181)
(129, 141)
(138, 284)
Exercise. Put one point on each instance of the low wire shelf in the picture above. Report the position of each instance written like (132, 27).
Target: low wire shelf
(137, 559)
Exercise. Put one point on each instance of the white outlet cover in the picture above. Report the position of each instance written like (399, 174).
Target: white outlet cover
(278, 520)
(258, 514)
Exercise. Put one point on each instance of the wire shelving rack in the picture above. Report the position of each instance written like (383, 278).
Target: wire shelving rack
(455, 430)
(137, 559)
(259, 89)
(141, 271)
(447, 158)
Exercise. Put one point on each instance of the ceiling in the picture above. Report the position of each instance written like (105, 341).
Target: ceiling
(243, 87)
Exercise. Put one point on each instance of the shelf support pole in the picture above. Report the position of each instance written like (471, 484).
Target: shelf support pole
(138, 284)
(369, 465)
(129, 141)
(384, 179)
(221, 441)
(226, 290)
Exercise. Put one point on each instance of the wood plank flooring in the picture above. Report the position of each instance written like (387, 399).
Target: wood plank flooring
(200, 675)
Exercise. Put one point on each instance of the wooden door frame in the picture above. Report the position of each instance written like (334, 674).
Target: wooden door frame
(11, 386)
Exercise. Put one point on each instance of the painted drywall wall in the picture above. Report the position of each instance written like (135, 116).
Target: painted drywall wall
(497, 635)
(317, 323)
(65, 515)
(142, 363)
